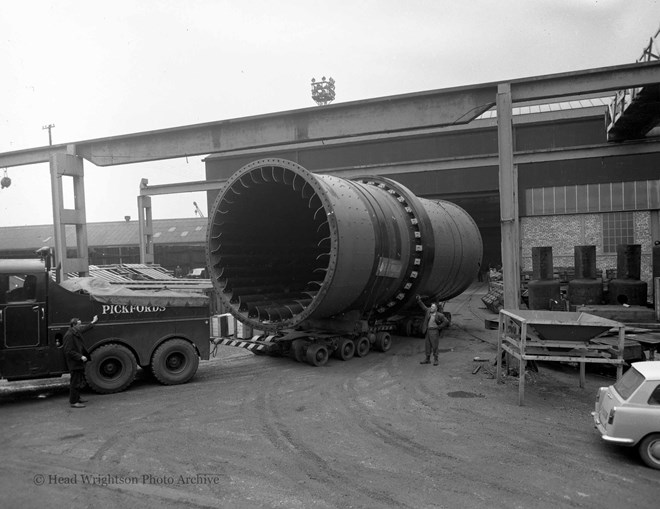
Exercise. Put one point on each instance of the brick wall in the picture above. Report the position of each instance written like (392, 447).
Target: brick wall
(564, 232)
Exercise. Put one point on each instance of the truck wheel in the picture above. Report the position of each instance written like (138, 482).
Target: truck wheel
(362, 346)
(112, 368)
(345, 349)
(174, 362)
(317, 354)
(649, 450)
(383, 341)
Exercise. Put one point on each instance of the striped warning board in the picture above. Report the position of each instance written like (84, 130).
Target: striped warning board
(256, 343)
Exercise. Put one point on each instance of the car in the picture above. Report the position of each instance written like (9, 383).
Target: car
(628, 412)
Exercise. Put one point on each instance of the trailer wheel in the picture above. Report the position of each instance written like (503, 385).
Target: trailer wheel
(362, 346)
(317, 354)
(112, 368)
(383, 341)
(405, 327)
(174, 362)
(298, 350)
(345, 349)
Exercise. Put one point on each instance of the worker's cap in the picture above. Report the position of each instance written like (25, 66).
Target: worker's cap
(74, 321)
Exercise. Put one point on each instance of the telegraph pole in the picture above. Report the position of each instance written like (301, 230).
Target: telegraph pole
(49, 127)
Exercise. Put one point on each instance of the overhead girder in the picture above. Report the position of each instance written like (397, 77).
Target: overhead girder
(399, 113)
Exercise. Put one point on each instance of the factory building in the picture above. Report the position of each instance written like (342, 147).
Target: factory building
(564, 201)
(177, 242)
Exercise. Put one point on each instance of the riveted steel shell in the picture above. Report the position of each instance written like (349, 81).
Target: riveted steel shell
(286, 245)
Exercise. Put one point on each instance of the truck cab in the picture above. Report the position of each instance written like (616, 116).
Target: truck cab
(157, 328)
(26, 348)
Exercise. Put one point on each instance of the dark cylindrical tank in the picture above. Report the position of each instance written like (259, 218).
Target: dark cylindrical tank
(543, 289)
(542, 266)
(627, 288)
(285, 245)
(585, 289)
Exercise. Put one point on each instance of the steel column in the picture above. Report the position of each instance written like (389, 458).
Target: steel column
(62, 164)
(145, 227)
(508, 200)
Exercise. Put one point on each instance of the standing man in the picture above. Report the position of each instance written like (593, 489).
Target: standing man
(434, 322)
(76, 356)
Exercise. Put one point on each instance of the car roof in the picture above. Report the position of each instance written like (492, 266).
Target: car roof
(650, 369)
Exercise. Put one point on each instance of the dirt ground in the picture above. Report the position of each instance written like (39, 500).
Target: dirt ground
(383, 431)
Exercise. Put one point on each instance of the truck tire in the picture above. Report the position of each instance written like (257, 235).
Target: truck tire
(345, 349)
(408, 328)
(383, 341)
(174, 362)
(112, 368)
(317, 354)
(298, 350)
(362, 346)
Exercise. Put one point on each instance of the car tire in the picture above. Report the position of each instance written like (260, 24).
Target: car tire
(649, 450)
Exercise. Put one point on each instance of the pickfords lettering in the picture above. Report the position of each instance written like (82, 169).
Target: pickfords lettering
(117, 309)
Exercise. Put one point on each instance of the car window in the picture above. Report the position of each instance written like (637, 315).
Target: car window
(655, 396)
(629, 383)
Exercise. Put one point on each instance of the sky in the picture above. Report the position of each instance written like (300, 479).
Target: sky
(98, 68)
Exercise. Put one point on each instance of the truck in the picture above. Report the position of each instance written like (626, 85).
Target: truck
(149, 325)
(310, 265)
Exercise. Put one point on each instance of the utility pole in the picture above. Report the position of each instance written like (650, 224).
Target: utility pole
(49, 127)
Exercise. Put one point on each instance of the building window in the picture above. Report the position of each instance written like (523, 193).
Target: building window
(618, 228)
(592, 198)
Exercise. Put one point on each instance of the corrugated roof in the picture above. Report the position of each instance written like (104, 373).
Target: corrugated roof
(109, 234)
(593, 102)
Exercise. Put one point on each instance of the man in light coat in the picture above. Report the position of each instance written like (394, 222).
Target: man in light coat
(434, 322)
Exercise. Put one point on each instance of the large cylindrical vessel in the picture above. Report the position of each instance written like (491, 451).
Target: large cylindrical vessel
(286, 245)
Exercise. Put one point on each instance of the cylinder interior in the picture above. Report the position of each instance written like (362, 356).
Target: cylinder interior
(269, 244)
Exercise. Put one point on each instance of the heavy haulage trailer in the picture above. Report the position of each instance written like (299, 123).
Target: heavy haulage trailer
(163, 330)
(314, 265)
